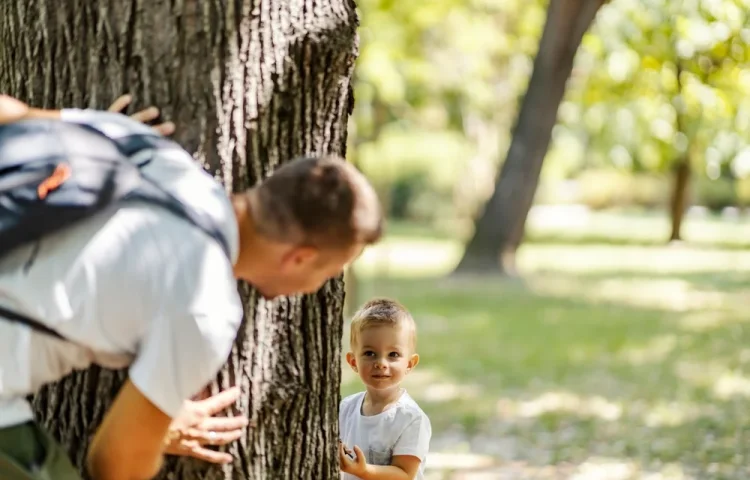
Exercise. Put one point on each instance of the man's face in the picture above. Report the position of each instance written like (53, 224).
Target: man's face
(305, 270)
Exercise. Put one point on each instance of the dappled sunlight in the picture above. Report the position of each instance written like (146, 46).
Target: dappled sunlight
(700, 374)
(424, 384)
(456, 461)
(655, 350)
(731, 384)
(560, 402)
(602, 468)
(433, 257)
(673, 414)
(699, 322)
(430, 385)
(409, 258)
(573, 259)
(593, 468)
(669, 294)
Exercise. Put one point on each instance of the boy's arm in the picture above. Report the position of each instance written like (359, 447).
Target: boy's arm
(402, 467)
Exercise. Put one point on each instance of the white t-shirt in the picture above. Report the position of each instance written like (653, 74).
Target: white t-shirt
(403, 429)
(134, 285)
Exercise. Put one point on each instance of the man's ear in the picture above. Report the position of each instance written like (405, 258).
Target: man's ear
(352, 361)
(300, 256)
(413, 361)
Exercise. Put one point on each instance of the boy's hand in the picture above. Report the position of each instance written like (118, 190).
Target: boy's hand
(356, 466)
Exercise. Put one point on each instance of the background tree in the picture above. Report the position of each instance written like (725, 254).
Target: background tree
(500, 228)
(250, 84)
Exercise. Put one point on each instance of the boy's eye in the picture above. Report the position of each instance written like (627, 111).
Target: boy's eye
(395, 354)
(369, 353)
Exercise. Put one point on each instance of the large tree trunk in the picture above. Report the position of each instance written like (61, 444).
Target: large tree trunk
(500, 228)
(250, 84)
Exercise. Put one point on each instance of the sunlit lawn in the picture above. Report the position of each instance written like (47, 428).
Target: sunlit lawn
(634, 357)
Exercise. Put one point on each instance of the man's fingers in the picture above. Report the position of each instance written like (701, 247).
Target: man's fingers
(219, 438)
(146, 115)
(220, 401)
(224, 424)
(166, 128)
(211, 456)
(121, 103)
(210, 437)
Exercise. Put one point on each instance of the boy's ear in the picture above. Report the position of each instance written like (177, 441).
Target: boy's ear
(413, 361)
(351, 360)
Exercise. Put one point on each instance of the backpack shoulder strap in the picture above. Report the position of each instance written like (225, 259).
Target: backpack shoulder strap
(132, 137)
(6, 314)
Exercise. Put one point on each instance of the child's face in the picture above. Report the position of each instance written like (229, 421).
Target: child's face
(383, 356)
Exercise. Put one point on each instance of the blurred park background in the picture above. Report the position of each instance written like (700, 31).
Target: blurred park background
(610, 341)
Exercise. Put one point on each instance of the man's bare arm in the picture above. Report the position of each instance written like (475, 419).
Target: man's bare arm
(130, 442)
(13, 110)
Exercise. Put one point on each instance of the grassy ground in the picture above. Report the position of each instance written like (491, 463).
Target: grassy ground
(609, 360)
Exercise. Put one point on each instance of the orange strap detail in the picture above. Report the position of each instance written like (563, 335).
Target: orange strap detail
(58, 177)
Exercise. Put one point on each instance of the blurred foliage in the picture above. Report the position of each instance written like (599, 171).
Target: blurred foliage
(438, 84)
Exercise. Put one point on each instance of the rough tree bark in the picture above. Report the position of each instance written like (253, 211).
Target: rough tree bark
(250, 84)
(500, 228)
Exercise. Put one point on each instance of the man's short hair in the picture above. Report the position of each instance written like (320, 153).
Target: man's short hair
(318, 201)
(382, 312)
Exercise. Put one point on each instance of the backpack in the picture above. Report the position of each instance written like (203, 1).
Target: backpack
(54, 174)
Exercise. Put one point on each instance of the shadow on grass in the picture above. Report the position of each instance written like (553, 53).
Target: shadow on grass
(609, 240)
(510, 370)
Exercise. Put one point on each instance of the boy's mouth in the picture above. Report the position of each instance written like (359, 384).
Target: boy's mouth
(381, 376)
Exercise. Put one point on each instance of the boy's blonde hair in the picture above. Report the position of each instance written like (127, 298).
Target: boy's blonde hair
(379, 312)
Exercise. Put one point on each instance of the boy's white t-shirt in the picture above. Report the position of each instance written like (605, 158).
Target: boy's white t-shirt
(403, 429)
(133, 286)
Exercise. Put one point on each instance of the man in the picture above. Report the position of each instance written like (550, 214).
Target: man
(137, 286)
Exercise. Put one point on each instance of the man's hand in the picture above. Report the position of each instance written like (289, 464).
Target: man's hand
(13, 110)
(356, 466)
(196, 426)
(144, 116)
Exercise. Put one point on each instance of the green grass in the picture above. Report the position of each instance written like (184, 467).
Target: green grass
(635, 353)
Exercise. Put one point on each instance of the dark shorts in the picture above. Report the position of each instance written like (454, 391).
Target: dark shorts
(27, 452)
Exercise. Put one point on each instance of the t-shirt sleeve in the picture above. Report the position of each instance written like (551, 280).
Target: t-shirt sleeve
(187, 344)
(415, 439)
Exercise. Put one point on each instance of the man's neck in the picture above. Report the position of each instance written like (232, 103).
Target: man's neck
(245, 225)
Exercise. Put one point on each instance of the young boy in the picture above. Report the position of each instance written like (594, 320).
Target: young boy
(389, 432)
